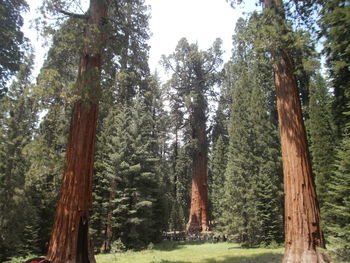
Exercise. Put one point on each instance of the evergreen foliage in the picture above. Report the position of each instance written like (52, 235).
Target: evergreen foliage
(179, 158)
(335, 23)
(222, 114)
(54, 95)
(146, 131)
(194, 74)
(18, 119)
(251, 208)
(218, 168)
(130, 176)
(218, 155)
(338, 204)
(177, 218)
(321, 134)
(129, 162)
(126, 71)
(12, 39)
(182, 179)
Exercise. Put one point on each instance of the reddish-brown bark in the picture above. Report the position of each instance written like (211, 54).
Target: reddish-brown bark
(198, 218)
(69, 241)
(303, 234)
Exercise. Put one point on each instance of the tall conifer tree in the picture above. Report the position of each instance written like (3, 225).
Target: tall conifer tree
(218, 168)
(194, 75)
(72, 212)
(18, 119)
(335, 23)
(338, 204)
(130, 184)
(251, 208)
(303, 234)
(321, 133)
(12, 39)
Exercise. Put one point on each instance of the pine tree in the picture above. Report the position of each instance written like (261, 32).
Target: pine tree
(268, 181)
(251, 208)
(222, 113)
(133, 206)
(238, 187)
(12, 39)
(153, 99)
(100, 227)
(136, 128)
(126, 79)
(335, 23)
(218, 168)
(19, 118)
(177, 219)
(179, 152)
(182, 179)
(218, 155)
(338, 204)
(321, 135)
(125, 70)
(45, 155)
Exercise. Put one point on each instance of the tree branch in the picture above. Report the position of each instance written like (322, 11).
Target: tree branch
(80, 16)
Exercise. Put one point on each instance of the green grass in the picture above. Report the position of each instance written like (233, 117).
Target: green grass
(173, 252)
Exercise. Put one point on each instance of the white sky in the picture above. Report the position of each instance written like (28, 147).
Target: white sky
(200, 21)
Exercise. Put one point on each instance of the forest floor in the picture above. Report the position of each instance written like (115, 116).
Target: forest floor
(177, 252)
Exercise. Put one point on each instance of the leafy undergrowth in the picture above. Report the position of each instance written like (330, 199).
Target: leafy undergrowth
(174, 252)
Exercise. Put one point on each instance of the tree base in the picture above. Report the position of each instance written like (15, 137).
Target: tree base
(295, 255)
(193, 227)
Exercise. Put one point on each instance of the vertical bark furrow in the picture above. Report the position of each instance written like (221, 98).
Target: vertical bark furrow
(75, 197)
(198, 219)
(302, 228)
(69, 238)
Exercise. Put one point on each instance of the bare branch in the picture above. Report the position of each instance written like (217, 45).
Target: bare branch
(80, 16)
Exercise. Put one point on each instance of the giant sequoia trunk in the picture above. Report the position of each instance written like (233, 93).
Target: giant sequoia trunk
(198, 218)
(69, 241)
(303, 235)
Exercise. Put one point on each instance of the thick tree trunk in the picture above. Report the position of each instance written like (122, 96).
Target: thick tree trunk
(303, 234)
(198, 218)
(69, 238)
(69, 241)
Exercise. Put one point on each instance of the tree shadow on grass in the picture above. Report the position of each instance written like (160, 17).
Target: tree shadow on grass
(173, 245)
(258, 258)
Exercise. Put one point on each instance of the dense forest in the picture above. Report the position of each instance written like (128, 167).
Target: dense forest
(97, 152)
